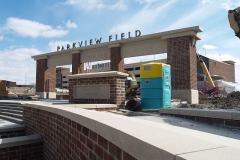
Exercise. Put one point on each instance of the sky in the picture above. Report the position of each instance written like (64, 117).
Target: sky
(33, 27)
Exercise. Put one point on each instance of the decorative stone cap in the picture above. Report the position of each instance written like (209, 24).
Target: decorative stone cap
(98, 74)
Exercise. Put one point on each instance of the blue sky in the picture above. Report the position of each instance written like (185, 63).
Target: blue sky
(32, 27)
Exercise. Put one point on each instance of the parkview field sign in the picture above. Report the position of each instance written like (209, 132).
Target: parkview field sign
(98, 40)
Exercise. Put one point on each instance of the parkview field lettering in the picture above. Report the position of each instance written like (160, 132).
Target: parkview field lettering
(98, 40)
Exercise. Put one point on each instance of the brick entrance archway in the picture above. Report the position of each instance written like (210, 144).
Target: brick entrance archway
(178, 44)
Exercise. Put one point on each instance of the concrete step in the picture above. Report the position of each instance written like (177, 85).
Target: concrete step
(19, 116)
(9, 129)
(18, 141)
(9, 104)
(11, 119)
(11, 110)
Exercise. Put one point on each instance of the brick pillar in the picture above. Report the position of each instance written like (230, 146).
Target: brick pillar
(45, 78)
(181, 56)
(77, 66)
(117, 63)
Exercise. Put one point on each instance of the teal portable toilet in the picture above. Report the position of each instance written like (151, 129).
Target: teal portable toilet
(155, 86)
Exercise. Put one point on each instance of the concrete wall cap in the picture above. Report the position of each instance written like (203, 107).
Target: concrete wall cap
(98, 74)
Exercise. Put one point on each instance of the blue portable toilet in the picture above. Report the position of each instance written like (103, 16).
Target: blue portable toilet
(155, 86)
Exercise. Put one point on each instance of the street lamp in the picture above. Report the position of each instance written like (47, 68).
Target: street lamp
(205, 51)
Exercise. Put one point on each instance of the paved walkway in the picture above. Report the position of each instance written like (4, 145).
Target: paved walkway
(194, 125)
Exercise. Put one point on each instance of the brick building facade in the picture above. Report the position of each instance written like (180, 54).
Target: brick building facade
(224, 70)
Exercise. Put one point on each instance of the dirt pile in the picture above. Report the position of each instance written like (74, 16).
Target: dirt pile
(235, 95)
(231, 102)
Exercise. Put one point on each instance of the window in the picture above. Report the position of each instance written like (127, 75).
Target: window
(129, 69)
(137, 75)
(65, 81)
(64, 76)
(137, 68)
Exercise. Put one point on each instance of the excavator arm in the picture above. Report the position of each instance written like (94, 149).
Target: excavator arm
(234, 20)
(206, 72)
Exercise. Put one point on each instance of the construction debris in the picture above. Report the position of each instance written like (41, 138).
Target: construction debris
(231, 102)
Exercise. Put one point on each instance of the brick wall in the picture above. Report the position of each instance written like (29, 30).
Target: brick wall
(222, 69)
(117, 90)
(45, 77)
(77, 67)
(117, 63)
(182, 58)
(66, 139)
(24, 152)
(14, 133)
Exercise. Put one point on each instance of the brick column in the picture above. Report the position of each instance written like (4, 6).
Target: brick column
(182, 58)
(117, 63)
(45, 79)
(181, 55)
(77, 66)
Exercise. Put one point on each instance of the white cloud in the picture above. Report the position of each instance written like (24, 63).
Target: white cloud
(70, 24)
(1, 38)
(33, 29)
(17, 63)
(18, 54)
(229, 5)
(146, 1)
(96, 4)
(142, 18)
(208, 46)
(204, 2)
(53, 44)
(86, 5)
(118, 6)
(196, 16)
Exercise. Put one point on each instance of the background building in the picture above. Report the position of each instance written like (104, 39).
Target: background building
(60, 71)
(224, 70)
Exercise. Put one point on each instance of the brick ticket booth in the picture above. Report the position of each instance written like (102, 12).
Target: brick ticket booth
(98, 88)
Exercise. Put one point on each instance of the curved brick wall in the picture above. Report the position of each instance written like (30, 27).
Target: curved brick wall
(66, 139)
(73, 133)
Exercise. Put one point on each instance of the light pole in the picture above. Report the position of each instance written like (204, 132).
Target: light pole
(205, 51)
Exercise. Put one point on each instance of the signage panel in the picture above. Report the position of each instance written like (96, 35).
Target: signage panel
(100, 91)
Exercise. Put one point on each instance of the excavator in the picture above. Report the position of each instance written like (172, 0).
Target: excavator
(216, 91)
(130, 84)
(234, 20)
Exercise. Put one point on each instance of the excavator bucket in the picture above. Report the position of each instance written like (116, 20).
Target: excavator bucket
(234, 20)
